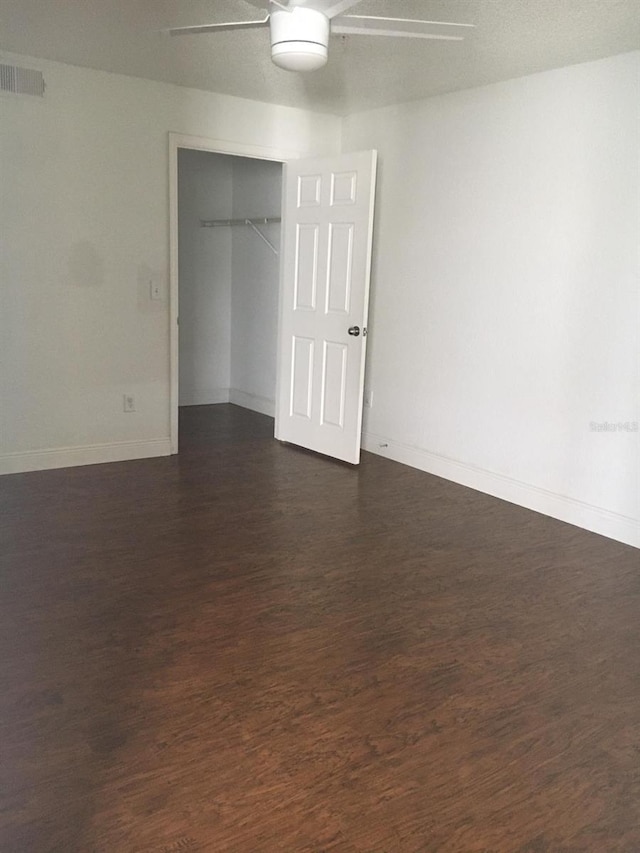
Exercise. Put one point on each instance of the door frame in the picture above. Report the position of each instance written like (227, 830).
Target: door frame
(215, 146)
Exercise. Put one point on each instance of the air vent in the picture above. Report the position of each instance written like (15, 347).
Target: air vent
(21, 81)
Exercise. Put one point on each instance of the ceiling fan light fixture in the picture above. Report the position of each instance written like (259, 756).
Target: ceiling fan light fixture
(299, 38)
(299, 55)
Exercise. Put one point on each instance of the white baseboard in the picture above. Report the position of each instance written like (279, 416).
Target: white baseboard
(264, 405)
(613, 525)
(90, 454)
(202, 397)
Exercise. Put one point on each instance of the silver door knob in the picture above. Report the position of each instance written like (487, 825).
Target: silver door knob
(354, 330)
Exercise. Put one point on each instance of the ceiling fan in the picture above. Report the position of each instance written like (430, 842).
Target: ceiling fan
(300, 29)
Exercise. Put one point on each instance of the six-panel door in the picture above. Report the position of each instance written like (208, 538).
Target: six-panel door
(324, 293)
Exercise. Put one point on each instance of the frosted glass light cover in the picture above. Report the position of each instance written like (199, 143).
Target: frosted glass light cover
(299, 56)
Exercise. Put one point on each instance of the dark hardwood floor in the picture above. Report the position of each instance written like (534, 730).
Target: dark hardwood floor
(251, 648)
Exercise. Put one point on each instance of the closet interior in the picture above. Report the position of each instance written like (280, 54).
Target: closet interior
(228, 268)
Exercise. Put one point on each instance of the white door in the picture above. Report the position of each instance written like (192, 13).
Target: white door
(324, 298)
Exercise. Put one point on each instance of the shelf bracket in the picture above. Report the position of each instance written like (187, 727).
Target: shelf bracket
(261, 235)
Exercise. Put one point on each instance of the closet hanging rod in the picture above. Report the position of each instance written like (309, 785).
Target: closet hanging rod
(252, 223)
(255, 220)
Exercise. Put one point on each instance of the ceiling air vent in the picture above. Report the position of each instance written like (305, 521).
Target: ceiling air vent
(21, 81)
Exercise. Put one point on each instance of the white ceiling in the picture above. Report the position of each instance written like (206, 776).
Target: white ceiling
(512, 38)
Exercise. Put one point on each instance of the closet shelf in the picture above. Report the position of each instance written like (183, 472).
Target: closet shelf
(252, 223)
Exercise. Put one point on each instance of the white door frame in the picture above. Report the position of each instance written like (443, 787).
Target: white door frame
(215, 146)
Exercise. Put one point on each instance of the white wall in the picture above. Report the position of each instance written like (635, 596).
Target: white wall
(204, 192)
(505, 289)
(84, 224)
(257, 191)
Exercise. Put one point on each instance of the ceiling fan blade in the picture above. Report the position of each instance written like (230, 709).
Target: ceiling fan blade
(215, 28)
(342, 29)
(400, 26)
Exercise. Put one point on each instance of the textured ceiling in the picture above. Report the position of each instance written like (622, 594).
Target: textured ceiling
(512, 38)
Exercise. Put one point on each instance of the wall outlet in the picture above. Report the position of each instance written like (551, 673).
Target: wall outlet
(128, 403)
(155, 289)
(368, 398)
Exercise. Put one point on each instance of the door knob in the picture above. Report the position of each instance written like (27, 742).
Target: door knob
(354, 330)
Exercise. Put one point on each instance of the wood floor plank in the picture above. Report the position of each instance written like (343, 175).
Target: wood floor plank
(251, 648)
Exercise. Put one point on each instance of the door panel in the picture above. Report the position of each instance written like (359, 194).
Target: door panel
(306, 273)
(326, 258)
(334, 375)
(340, 267)
(302, 377)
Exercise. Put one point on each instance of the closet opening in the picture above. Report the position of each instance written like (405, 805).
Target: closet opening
(227, 277)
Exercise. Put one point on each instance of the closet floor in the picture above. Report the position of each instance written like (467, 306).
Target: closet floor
(251, 648)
